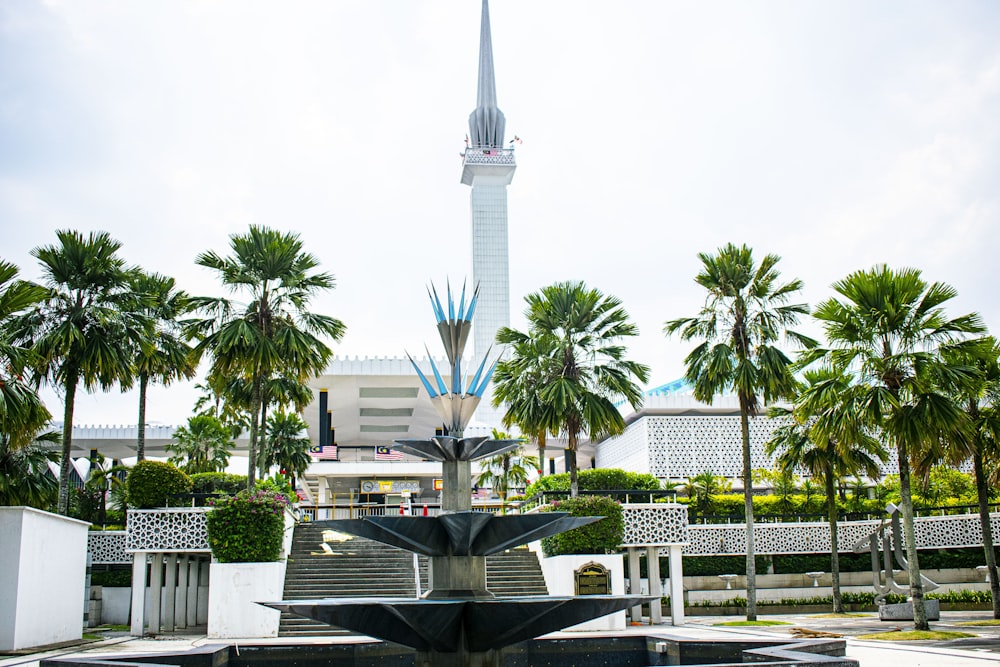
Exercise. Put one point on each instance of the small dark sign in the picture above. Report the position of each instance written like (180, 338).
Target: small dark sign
(593, 579)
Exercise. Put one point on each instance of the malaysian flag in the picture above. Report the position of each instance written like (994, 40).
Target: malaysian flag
(383, 453)
(324, 452)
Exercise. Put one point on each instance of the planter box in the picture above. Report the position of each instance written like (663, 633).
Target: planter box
(233, 592)
(559, 579)
(43, 565)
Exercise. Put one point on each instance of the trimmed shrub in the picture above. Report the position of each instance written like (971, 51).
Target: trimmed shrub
(218, 482)
(247, 527)
(150, 484)
(597, 538)
(596, 479)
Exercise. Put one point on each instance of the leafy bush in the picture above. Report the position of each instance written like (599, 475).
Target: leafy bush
(963, 595)
(218, 482)
(113, 576)
(596, 479)
(152, 483)
(247, 527)
(596, 538)
(278, 484)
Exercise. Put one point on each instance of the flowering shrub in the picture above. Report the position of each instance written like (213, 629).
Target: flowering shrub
(247, 527)
(600, 537)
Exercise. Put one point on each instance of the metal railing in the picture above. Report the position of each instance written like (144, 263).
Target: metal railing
(499, 156)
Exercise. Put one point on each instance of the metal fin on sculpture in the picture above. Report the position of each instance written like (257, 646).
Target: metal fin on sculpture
(420, 375)
(451, 304)
(472, 304)
(442, 388)
(456, 377)
(475, 378)
(461, 304)
(486, 380)
(436, 304)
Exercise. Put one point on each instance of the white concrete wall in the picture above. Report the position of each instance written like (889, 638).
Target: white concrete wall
(43, 562)
(116, 602)
(233, 591)
(559, 579)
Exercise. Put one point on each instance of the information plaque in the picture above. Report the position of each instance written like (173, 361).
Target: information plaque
(593, 579)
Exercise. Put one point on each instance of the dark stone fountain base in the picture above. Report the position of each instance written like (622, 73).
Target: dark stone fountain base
(590, 651)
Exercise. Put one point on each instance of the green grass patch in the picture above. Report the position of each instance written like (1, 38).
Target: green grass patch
(114, 628)
(741, 624)
(991, 621)
(92, 636)
(916, 635)
(845, 615)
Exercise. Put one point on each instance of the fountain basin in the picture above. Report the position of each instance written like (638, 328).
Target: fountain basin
(590, 651)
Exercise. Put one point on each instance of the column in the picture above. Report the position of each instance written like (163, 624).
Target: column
(655, 586)
(676, 585)
(181, 594)
(138, 593)
(634, 582)
(170, 591)
(155, 592)
(192, 591)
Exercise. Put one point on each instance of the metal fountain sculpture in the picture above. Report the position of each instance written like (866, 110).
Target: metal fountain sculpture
(458, 621)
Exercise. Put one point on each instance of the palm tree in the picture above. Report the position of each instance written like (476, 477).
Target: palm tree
(85, 329)
(25, 478)
(888, 327)
(516, 385)
(286, 446)
(825, 435)
(22, 412)
(204, 445)
(980, 398)
(745, 314)
(164, 356)
(702, 487)
(506, 471)
(273, 330)
(574, 339)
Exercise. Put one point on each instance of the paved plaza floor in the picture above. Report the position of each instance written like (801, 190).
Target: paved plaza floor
(974, 652)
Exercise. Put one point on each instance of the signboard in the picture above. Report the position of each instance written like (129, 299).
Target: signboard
(439, 484)
(390, 486)
(592, 579)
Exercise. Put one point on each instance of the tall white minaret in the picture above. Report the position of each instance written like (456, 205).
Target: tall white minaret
(489, 168)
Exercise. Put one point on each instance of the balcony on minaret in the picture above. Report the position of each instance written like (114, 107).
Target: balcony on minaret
(497, 162)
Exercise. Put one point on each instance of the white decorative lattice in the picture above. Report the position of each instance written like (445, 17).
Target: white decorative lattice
(165, 530)
(934, 532)
(107, 548)
(629, 451)
(655, 524)
(685, 445)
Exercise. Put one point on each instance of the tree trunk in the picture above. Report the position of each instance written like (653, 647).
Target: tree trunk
(910, 540)
(831, 511)
(140, 441)
(255, 401)
(262, 437)
(982, 494)
(65, 464)
(574, 488)
(541, 454)
(748, 504)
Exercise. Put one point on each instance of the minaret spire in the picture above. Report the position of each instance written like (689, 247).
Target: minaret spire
(486, 123)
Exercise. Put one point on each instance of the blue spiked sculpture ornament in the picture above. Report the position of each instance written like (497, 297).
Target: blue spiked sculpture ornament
(455, 400)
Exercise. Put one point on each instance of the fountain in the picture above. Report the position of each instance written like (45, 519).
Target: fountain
(458, 621)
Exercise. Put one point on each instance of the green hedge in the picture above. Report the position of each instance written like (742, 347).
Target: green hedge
(596, 479)
(599, 537)
(934, 559)
(150, 484)
(247, 527)
(218, 482)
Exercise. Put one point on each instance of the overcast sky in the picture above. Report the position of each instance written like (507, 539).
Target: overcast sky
(835, 134)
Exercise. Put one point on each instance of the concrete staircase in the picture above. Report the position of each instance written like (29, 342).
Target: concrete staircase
(362, 568)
